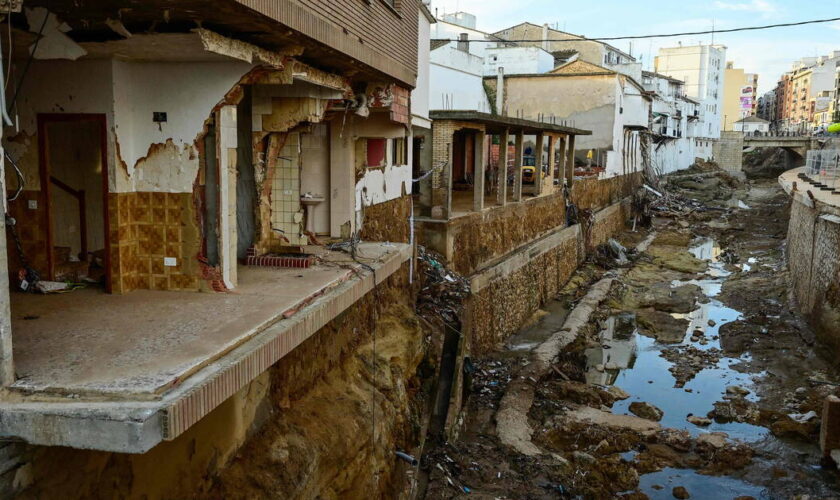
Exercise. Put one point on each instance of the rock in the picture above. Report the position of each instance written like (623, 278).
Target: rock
(611, 366)
(680, 492)
(695, 339)
(699, 421)
(599, 367)
(801, 390)
(734, 390)
(646, 410)
(661, 326)
(716, 440)
(712, 322)
(618, 393)
(586, 458)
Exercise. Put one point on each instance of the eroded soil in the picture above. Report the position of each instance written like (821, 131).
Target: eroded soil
(695, 377)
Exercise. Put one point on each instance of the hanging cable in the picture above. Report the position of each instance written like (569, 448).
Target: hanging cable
(665, 35)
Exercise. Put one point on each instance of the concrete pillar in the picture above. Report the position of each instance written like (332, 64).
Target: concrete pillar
(561, 169)
(501, 191)
(479, 170)
(538, 163)
(552, 143)
(830, 428)
(226, 142)
(7, 370)
(570, 161)
(342, 156)
(518, 161)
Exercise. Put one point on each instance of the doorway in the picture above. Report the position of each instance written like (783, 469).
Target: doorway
(74, 176)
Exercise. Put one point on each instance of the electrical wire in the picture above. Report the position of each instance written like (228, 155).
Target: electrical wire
(639, 37)
(28, 61)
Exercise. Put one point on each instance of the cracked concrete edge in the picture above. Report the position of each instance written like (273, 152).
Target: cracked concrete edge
(512, 425)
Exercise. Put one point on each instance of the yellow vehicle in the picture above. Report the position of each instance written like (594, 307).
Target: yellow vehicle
(529, 170)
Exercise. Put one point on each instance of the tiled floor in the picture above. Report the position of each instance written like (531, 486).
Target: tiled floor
(143, 343)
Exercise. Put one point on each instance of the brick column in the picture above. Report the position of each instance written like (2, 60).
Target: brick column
(501, 191)
(538, 164)
(479, 170)
(517, 163)
(570, 162)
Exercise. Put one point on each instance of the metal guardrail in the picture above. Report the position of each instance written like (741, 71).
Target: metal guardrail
(822, 167)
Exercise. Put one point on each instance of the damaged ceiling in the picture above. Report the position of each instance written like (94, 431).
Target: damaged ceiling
(122, 29)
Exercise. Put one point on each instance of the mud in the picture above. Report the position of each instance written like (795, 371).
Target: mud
(715, 347)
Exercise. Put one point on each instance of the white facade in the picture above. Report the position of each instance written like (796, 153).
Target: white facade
(517, 61)
(752, 125)
(702, 68)
(675, 124)
(457, 80)
(420, 99)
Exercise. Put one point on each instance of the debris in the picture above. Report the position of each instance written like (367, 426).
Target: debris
(803, 417)
(734, 390)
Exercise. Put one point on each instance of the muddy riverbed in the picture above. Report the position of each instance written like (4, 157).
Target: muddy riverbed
(693, 378)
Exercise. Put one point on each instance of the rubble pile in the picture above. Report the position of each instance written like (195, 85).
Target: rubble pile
(443, 292)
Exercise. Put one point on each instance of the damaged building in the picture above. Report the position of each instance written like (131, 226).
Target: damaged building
(212, 186)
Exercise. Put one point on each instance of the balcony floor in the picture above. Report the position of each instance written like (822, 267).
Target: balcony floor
(140, 345)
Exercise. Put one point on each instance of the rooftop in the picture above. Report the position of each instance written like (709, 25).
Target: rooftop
(490, 120)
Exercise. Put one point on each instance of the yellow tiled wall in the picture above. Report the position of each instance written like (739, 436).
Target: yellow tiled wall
(146, 228)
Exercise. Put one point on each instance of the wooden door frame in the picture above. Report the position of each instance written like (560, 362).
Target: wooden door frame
(44, 119)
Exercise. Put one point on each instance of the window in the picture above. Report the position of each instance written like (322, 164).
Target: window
(399, 148)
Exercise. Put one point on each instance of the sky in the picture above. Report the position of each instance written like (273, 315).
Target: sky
(768, 52)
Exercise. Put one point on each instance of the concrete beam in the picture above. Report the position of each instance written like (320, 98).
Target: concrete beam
(501, 188)
(561, 167)
(479, 171)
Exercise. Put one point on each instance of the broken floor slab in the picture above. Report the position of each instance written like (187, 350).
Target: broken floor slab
(194, 365)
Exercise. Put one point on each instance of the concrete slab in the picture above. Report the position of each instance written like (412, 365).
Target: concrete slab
(131, 422)
(88, 343)
(829, 203)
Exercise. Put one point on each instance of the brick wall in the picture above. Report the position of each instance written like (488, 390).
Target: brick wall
(729, 152)
(813, 254)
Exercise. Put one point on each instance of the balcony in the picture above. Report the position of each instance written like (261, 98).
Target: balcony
(123, 373)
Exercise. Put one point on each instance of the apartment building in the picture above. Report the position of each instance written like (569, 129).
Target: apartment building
(803, 90)
(702, 68)
(198, 166)
(740, 95)
(675, 124)
(567, 46)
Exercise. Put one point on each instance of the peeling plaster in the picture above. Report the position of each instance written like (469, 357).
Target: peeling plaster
(167, 168)
(383, 184)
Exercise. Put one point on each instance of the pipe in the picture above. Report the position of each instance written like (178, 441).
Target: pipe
(407, 458)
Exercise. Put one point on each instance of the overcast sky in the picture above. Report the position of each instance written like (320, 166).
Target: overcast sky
(768, 52)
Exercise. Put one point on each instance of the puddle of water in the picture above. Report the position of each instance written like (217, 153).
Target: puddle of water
(698, 485)
(635, 364)
(529, 338)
